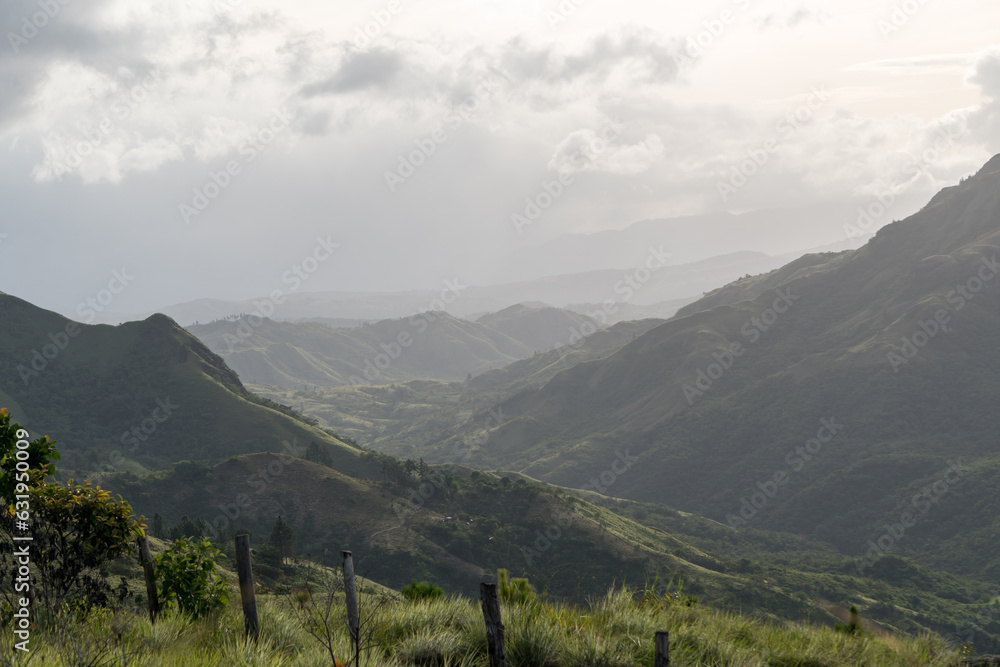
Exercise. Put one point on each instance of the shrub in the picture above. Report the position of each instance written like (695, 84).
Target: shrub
(422, 590)
(188, 578)
(515, 591)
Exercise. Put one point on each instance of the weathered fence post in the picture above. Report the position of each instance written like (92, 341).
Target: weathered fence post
(494, 625)
(244, 570)
(351, 593)
(146, 560)
(662, 649)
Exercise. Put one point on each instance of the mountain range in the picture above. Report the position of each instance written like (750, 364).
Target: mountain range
(430, 345)
(842, 397)
(816, 436)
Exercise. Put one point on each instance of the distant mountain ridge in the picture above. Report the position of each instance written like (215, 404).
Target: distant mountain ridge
(426, 346)
(670, 283)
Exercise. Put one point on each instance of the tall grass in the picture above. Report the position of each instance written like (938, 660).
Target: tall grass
(614, 631)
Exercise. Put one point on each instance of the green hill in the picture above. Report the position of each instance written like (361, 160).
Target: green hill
(730, 393)
(453, 525)
(141, 395)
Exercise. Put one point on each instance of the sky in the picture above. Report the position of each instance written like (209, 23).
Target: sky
(164, 151)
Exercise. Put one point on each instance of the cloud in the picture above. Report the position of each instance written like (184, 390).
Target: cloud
(587, 151)
(32, 41)
(639, 54)
(360, 70)
(792, 18)
(984, 121)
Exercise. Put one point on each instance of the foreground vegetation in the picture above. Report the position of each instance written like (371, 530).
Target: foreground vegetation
(616, 630)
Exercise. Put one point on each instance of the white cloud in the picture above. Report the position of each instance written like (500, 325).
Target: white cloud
(984, 121)
(589, 151)
(550, 92)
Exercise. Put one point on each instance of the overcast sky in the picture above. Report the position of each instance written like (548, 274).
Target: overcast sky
(115, 117)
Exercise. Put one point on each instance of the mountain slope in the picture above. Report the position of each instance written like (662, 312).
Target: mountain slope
(821, 339)
(538, 328)
(145, 394)
(569, 546)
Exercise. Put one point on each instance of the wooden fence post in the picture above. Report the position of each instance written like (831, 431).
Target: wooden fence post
(244, 570)
(146, 560)
(494, 624)
(351, 593)
(662, 649)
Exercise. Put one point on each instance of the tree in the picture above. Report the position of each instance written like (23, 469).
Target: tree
(318, 454)
(188, 528)
(156, 528)
(75, 529)
(188, 578)
(29, 469)
(282, 538)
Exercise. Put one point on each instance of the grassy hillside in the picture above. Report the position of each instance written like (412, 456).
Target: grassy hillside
(426, 346)
(138, 396)
(569, 546)
(614, 631)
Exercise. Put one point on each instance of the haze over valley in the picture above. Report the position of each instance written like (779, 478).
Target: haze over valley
(517, 333)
